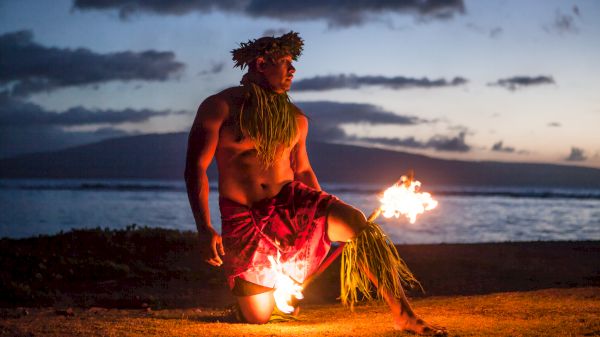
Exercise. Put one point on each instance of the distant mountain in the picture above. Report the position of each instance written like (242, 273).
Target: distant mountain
(151, 156)
(162, 156)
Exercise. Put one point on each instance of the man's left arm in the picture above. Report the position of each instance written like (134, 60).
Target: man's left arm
(303, 172)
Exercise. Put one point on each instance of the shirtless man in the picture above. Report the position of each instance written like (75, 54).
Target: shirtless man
(247, 180)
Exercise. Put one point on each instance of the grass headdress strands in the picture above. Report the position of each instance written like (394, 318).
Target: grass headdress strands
(269, 120)
(268, 47)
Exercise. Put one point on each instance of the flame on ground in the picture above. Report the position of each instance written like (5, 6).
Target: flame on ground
(404, 199)
(285, 287)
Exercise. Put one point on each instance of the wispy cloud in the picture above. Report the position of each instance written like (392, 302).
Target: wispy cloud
(445, 143)
(564, 23)
(327, 117)
(17, 113)
(335, 13)
(214, 69)
(411, 142)
(438, 142)
(27, 127)
(554, 124)
(328, 112)
(496, 32)
(577, 154)
(331, 82)
(499, 147)
(493, 33)
(275, 31)
(517, 82)
(28, 67)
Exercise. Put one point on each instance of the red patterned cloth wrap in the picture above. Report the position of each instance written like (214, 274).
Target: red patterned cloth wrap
(292, 226)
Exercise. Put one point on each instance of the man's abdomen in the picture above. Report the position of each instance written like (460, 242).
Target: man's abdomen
(247, 184)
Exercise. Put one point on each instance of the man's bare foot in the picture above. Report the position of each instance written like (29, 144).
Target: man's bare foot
(416, 325)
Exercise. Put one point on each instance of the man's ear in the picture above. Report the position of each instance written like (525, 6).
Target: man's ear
(260, 64)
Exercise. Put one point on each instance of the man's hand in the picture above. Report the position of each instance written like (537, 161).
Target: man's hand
(212, 247)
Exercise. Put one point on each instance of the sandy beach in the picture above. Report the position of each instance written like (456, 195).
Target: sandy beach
(151, 282)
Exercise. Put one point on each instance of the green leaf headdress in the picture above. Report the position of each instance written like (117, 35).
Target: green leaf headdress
(269, 47)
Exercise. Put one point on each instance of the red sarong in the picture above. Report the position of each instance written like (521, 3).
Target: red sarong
(293, 224)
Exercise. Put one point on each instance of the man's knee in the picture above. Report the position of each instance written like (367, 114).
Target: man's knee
(344, 222)
(257, 309)
(256, 318)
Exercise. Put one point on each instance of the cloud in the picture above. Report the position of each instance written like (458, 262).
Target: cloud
(438, 142)
(499, 147)
(517, 82)
(18, 113)
(496, 32)
(331, 82)
(28, 67)
(328, 112)
(27, 127)
(444, 143)
(493, 33)
(214, 69)
(275, 31)
(564, 23)
(406, 142)
(577, 154)
(335, 13)
(459, 128)
(326, 118)
(554, 124)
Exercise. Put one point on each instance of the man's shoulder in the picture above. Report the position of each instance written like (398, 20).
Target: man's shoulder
(227, 95)
(230, 94)
(300, 117)
(223, 100)
(297, 110)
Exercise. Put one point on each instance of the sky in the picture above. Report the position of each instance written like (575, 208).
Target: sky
(469, 80)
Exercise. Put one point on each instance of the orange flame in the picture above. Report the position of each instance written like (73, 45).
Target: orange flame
(404, 198)
(286, 288)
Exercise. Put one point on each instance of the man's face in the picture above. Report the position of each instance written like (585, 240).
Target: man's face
(279, 73)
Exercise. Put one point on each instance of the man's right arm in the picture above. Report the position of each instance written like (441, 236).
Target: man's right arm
(202, 144)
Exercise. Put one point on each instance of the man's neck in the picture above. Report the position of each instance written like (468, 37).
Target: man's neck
(258, 79)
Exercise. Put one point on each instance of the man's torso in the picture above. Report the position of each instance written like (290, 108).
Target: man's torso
(242, 177)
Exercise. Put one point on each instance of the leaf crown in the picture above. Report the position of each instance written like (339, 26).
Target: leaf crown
(270, 47)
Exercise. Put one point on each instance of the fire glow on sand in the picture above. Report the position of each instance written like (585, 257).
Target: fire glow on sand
(401, 199)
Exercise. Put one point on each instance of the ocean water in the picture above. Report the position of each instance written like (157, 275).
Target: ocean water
(464, 214)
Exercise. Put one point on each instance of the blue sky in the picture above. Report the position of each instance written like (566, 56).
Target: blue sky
(526, 73)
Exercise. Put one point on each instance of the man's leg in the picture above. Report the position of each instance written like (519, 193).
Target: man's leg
(256, 302)
(344, 223)
(257, 309)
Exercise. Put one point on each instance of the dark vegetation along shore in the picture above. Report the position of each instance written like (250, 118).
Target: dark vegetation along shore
(161, 268)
